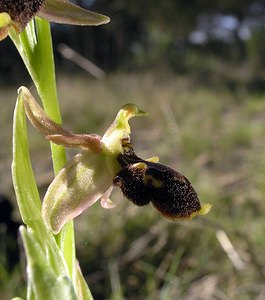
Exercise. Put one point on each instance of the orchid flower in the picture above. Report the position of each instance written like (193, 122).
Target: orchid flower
(18, 13)
(107, 161)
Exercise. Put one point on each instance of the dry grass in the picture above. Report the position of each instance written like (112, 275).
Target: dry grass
(216, 139)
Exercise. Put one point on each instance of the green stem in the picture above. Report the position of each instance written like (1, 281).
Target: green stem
(46, 85)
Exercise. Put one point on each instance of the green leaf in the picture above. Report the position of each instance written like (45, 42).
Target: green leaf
(44, 282)
(23, 178)
(66, 242)
(82, 288)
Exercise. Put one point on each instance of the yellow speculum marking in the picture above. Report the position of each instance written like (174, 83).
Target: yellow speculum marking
(150, 180)
(140, 166)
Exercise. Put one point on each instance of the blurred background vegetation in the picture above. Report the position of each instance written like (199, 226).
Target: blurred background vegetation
(198, 68)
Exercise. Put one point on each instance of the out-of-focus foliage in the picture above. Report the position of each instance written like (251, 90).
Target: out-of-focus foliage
(186, 36)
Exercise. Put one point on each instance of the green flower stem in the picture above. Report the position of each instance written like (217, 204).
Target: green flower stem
(46, 86)
(35, 47)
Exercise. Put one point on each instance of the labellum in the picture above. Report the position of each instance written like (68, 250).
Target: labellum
(170, 192)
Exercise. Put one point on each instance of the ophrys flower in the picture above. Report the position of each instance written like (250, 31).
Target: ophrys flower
(105, 161)
(17, 13)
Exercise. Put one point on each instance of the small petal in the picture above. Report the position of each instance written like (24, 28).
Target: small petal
(91, 142)
(65, 12)
(105, 201)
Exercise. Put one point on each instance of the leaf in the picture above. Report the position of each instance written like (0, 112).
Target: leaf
(23, 178)
(44, 282)
(82, 288)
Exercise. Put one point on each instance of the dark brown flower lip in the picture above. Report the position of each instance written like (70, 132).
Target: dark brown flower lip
(144, 181)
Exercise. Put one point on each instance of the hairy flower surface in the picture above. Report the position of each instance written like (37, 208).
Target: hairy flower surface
(144, 181)
(107, 161)
(17, 13)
